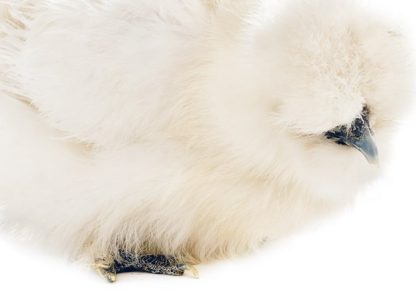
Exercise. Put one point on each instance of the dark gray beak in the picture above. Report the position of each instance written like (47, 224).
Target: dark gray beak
(358, 135)
(365, 144)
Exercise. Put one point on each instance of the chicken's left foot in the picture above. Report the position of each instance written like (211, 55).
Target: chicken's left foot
(154, 264)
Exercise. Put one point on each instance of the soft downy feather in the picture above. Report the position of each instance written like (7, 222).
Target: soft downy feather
(150, 126)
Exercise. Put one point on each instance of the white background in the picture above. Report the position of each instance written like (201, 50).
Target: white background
(369, 248)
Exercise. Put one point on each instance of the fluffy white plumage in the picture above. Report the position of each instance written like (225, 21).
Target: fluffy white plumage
(187, 128)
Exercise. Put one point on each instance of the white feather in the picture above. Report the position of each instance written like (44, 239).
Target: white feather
(190, 128)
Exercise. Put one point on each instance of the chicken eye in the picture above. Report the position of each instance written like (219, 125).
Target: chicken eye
(340, 133)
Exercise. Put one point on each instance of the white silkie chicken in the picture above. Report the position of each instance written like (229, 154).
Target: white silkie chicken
(151, 135)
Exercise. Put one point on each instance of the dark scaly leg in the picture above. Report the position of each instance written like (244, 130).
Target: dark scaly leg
(153, 264)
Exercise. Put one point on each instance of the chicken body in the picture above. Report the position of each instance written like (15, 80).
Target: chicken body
(186, 128)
